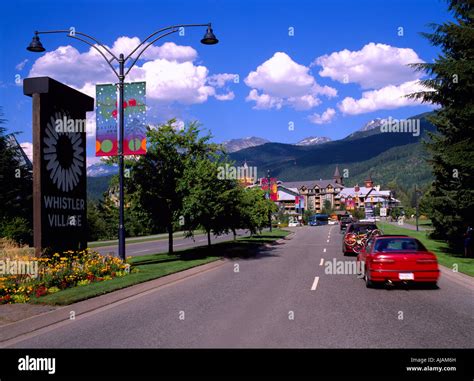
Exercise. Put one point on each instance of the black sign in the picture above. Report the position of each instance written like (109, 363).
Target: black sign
(59, 164)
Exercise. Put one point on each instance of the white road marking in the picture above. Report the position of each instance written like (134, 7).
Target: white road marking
(322, 261)
(315, 283)
(324, 250)
(141, 251)
(327, 241)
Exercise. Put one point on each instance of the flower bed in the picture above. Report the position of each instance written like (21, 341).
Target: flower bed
(61, 271)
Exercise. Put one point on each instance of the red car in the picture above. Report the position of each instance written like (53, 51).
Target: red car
(395, 259)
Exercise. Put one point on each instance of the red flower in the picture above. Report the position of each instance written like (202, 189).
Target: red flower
(40, 291)
(132, 102)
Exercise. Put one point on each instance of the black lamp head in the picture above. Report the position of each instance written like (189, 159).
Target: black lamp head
(209, 38)
(36, 45)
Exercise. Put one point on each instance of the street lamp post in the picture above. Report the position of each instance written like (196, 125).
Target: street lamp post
(37, 47)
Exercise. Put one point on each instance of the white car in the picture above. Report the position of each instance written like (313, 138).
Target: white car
(293, 224)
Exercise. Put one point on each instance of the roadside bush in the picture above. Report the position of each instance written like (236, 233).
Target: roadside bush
(17, 229)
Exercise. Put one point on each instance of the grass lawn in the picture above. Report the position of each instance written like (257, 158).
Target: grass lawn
(440, 248)
(158, 265)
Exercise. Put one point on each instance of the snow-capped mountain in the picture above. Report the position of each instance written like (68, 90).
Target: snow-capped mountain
(370, 128)
(235, 145)
(312, 140)
(99, 170)
(375, 123)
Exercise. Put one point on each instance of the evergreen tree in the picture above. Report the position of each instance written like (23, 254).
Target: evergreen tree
(451, 86)
(16, 211)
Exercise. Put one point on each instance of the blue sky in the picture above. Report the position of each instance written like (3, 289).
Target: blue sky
(315, 79)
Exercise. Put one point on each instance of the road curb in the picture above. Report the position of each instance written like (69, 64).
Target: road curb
(22, 327)
(286, 238)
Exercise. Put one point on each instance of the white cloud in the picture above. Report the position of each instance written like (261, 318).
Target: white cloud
(219, 80)
(21, 65)
(386, 98)
(225, 97)
(326, 117)
(173, 81)
(304, 102)
(168, 51)
(125, 45)
(171, 75)
(171, 52)
(281, 81)
(66, 64)
(374, 66)
(264, 101)
(28, 149)
(179, 124)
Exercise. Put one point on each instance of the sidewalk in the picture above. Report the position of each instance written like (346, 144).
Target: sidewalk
(407, 226)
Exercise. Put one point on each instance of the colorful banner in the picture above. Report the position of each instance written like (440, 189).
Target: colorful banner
(106, 120)
(134, 119)
(299, 202)
(273, 187)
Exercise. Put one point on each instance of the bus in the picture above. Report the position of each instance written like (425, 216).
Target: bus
(318, 219)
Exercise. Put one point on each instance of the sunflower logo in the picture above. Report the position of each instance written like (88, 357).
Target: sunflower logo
(63, 154)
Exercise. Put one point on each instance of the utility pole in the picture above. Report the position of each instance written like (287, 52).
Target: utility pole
(416, 205)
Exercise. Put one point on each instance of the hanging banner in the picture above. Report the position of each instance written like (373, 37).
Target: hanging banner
(106, 120)
(271, 189)
(301, 202)
(134, 105)
(135, 119)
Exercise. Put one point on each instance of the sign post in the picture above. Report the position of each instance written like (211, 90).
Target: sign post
(59, 165)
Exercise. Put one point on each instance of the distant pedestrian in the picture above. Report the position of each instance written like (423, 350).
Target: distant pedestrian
(468, 242)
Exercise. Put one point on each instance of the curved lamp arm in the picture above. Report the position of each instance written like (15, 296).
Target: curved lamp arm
(145, 48)
(162, 30)
(96, 48)
(68, 32)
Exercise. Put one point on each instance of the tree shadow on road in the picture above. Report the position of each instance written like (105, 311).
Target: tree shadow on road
(257, 247)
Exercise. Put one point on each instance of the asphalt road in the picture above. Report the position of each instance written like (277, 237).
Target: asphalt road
(275, 301)
(161, 246)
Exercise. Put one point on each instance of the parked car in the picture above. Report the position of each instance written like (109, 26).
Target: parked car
(352, 231)
(396, 259)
